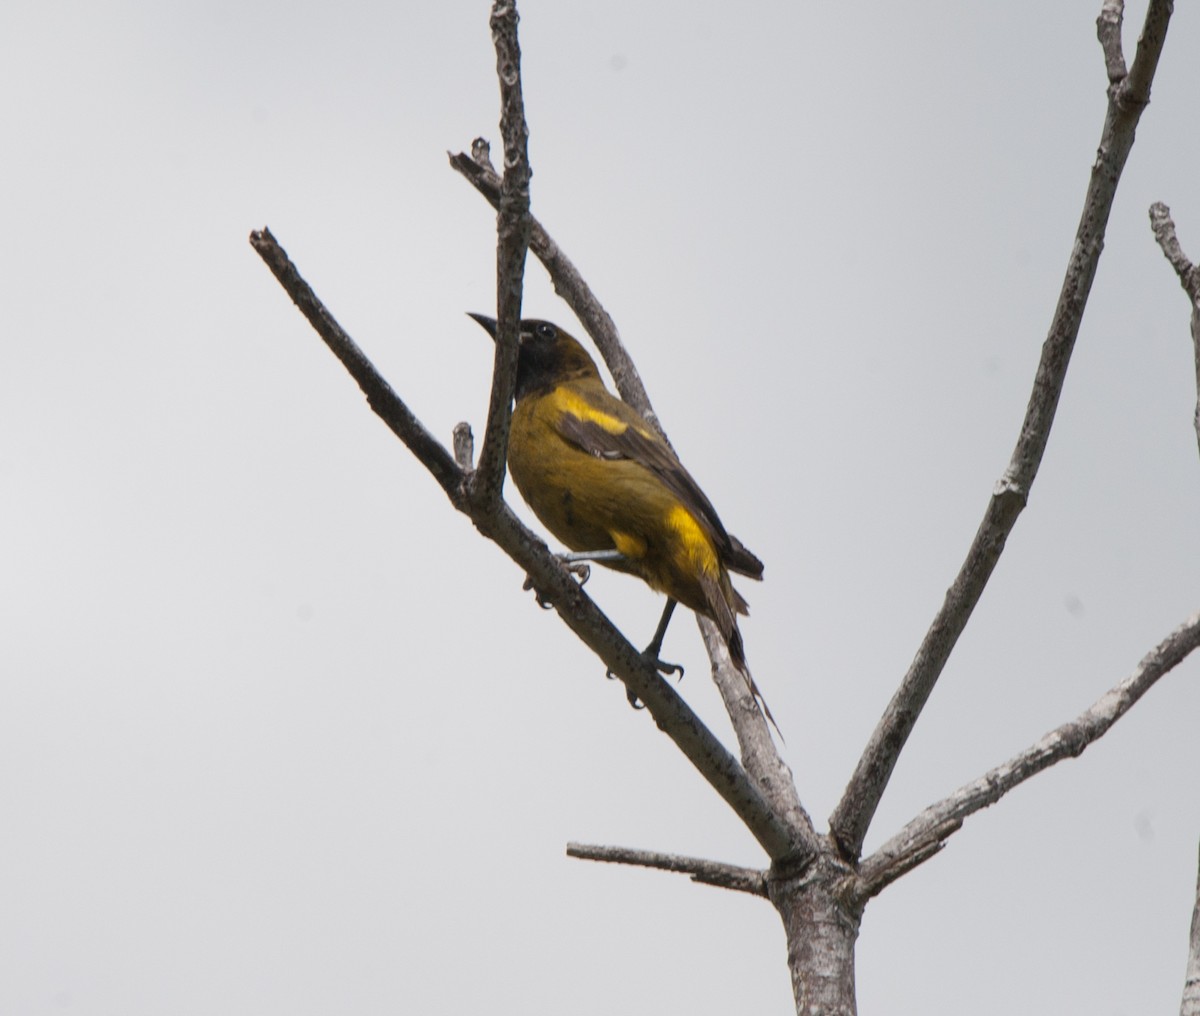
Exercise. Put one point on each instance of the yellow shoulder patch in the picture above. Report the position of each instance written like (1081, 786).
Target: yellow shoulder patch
(571, 402)
(695, 541)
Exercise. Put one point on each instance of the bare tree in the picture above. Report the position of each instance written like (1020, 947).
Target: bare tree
(819, 882)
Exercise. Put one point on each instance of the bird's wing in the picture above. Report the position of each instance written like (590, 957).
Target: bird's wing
(602, 425)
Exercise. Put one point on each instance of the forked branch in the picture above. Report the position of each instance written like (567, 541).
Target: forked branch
(725, 876)
(1128, 96)
(928, 831)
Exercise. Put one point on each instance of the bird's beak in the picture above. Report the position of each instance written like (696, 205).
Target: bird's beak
(488, 324)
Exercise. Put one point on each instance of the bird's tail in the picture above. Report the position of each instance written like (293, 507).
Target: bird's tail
(726, 604)
(737, 652)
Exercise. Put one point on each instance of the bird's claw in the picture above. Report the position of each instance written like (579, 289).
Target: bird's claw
(662, 666)
(634, 701)
(580, 569)
(543, 600)
(667, 669)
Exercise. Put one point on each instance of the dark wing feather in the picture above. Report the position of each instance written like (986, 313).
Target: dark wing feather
(742, 561)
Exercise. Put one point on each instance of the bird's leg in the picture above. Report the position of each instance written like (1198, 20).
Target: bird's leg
(576, 564)
(660, 633)
(599, 556)
(576, 561)
(653, 649)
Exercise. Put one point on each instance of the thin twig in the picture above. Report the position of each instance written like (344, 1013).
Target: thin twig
(1189, 278)
(759, 754)
(1127, 99)
(1190, 1006)
(1163, 227)
(382, 399)
(938, 821)
(1108, 28)
(725, 876)
(1133, 94)
(512, 240)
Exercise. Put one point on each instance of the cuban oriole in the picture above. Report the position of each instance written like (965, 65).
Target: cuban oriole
(607, 484)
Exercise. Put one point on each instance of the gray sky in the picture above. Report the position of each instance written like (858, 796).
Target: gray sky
(279, 734)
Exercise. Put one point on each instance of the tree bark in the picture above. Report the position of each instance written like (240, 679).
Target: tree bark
(821, 916)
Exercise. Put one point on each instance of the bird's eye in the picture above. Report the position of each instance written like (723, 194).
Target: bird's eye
(544, 331)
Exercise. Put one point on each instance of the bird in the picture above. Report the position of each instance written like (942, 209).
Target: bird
(607, 484)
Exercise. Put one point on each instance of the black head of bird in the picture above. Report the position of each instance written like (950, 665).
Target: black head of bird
(547, 356)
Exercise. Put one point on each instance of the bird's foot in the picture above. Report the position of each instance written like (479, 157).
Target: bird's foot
(662, 666)
(543, 600)
(579, 569)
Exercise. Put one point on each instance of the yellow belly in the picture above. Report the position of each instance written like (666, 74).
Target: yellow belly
(592, 503)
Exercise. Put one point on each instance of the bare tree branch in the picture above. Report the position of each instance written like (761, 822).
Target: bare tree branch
(1190, 1006)
(931, 828)
(1164, 232)
(382, 399)
(512, 228)
(1108, 29)
(887, 869)
(759, 754)
(1133, 93)
(1189, 278)
(724, 876)
(1127, 99)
